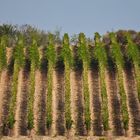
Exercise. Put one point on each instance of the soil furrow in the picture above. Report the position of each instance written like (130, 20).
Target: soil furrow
(21, 104)
(132, 101)
(114, 103)
(95, 102)
(39, 103)
(58, 102)
(5, 93)
(77, 107)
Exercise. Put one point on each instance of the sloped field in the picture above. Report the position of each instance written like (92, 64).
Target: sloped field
(54, 99)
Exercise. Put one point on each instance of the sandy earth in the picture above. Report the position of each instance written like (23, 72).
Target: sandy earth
(78, 127)
(5, 94)
(115, 123)
(95, 102)
(39, 103)
(58, 103)
(132, 101)
(22, 95)
(71, 138)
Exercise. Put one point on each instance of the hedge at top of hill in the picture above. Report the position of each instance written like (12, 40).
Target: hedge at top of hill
(113, 48)
(27, 31)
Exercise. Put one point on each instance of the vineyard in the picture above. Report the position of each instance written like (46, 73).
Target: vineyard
(90, 88)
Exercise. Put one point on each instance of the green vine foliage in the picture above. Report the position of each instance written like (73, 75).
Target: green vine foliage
(19, 53)
(101, 56)
(66, 51)
(137, 75)
(35, 64)
(50, 51)
(51, 57)
(133, 55)
(83, 55)
(132, 50)
(34, 54)
(117, 57)
(3, 59)
(67, 58)
(19, 60)
(83, 52)
(116, 52)
(124, 110)
(99, 52)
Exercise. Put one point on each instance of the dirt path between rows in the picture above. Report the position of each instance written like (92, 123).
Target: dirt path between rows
(40, 103)
(20, 127)
(77, 107)
(5, 94)
(95, 102)
(115, 119)
(132, 101)
(58, 102)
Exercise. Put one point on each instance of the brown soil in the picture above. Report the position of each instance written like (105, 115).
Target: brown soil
(58, 102)
(115, 120)
(20, 126)
(77, 107)
(5, 93)
(71, 138)
(95, 102)
(9, 52)
(39, 103)
(132, 101)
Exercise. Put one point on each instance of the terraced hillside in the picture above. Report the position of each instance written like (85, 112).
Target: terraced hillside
(64, 90)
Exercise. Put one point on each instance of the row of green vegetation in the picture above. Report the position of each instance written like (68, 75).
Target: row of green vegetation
(19, 61)
(118, 53)
(35, 64)
(101, 56)
(3, 58)
(3, 65)
(67, 58)
(134, 56)
(117, 57)
(51, 57)
(83, 53)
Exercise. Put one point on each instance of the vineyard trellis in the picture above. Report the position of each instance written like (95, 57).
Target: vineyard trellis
(75, 58)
